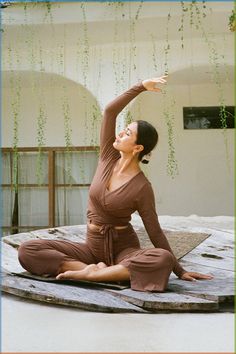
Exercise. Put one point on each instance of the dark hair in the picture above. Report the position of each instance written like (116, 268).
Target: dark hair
(146, 136)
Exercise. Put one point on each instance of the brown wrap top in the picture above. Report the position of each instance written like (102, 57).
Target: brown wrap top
(114, 208)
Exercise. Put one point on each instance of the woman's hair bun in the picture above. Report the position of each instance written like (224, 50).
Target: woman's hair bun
(148, 137)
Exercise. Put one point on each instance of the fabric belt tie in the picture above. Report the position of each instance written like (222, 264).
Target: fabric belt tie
(109, 233)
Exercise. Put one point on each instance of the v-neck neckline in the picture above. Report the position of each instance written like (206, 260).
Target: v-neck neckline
(112, 169)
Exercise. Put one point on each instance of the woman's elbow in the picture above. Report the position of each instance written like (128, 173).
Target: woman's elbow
(109, 110)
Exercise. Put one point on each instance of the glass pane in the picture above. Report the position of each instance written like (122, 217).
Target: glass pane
(71, 205)
(33, 168)
(33, 206)
(6, 232)
(7, 202)
(6, 168)
(76, 167)
(207, 117)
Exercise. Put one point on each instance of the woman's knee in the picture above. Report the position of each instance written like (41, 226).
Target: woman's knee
(167, 256)
(161, 257)
(27, 252)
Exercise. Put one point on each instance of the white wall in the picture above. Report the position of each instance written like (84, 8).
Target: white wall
(53, 91)
(205, 182)
(204, 185)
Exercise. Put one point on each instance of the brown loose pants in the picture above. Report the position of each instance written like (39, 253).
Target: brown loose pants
(149, 268)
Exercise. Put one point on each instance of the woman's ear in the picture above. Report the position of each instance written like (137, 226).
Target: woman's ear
(138, 149)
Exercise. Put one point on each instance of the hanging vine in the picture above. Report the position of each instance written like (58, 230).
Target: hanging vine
(181, 28)
(172, 166)
(127, 115)
(79, 69)
(191, 12)
(67, 135)
(215, 62)
(48, 12)
(133, 46)
(168, 109)
(226, 68)
(25, 12)
(67, 125)
(96, 113)
(232, 21)
(85, 56)
(118, 61)
(121, 68)
(31, 48)
(15, 104)
(154, 54)
(41, 119)
(15, 88)
(41, 122)
(65, 113)
(115, 57)
(67, 122)
(85, 67)
(168, 112)
(167, 45)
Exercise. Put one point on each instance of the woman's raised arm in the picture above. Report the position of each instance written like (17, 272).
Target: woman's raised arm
(107, 133)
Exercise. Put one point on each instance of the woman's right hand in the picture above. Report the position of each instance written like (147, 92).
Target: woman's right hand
(152, 84)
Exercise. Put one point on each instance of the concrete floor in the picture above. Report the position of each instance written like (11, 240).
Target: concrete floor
(37, 327)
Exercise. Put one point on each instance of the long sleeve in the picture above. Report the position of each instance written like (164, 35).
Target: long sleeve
(147, 211)
(107, 133)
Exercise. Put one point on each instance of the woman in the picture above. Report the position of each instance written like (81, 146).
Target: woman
(112, 251)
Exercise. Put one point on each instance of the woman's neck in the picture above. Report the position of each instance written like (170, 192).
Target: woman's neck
(127, 164)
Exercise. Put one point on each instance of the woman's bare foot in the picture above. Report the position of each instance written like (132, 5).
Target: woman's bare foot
(92, 272)
(78, 274)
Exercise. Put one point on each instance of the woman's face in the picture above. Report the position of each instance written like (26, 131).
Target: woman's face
(126, 139)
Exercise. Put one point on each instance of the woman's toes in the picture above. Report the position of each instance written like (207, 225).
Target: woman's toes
(65, 275)
(90, 267)
(101, 265)
(59, 276)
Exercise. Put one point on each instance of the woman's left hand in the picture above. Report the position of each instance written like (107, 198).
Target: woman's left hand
(152, 84)
(193, 276)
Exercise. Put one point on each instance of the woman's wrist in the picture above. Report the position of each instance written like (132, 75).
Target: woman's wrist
(182, 273)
